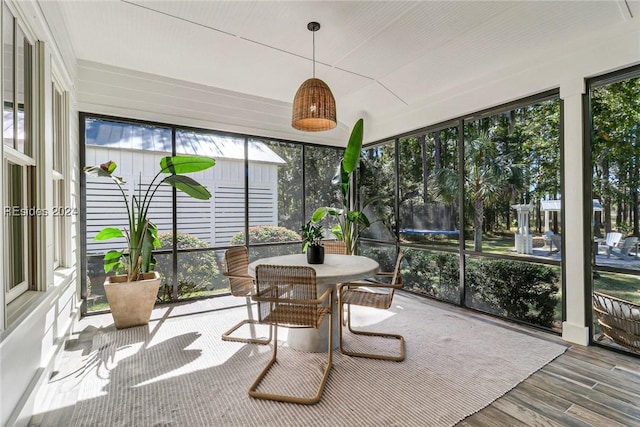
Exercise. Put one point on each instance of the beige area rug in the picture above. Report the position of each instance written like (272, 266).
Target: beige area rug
(177, 372)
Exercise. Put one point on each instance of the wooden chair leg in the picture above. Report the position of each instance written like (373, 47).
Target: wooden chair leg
(227, 335)
(399, 358)
(286, 398)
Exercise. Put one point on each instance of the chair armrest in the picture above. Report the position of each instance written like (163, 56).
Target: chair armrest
(237, 276)
(269, 298)
(325, 296)
(372, 284)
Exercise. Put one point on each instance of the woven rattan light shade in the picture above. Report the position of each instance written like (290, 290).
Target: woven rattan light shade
(314, 108)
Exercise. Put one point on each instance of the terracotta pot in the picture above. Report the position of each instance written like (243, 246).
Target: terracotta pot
(131, 303)
(315, 254)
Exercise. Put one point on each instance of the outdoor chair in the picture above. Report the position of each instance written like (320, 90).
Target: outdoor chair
(619, 320)
(241, 285)
(611, 241)
(287, 296)
(371, 293)
(334, 247)
(625, 248)
(557, 241)
(547, 239)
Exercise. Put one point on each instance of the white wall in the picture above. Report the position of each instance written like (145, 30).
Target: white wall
(123, 92)
(28, 345)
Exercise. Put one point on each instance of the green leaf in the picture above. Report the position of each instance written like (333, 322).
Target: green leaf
(113, 261)
(336, 230)
(113, 255)
(149, 243)
(319, 214)
(189, 186)
(359, 218)
(105, 170)
(354, 147)
(185, 164)
(108, 233)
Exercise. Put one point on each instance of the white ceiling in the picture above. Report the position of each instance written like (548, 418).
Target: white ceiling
(378, 57)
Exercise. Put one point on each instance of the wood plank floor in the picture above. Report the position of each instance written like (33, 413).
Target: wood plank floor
(585, 386)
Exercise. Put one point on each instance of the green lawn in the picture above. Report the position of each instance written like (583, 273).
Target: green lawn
(623, 286)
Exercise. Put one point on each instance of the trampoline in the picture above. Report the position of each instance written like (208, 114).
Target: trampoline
(418, 232)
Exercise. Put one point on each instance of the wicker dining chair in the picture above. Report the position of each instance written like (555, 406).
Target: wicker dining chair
(334, 247)
(287, 296)
(619, 320)
(376, 294)
(241, 285)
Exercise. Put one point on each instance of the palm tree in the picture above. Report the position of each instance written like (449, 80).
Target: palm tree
(489, 174)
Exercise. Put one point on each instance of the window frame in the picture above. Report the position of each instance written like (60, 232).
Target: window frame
(26, 160)
(61, 209)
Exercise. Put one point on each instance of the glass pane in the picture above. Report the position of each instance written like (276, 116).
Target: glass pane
(320, 165)
(58, 123)
(164, 266)
(23, 76)
(275, 191)
(512, 181)
(516, 290)
(8, 67)
(16, 230)
(200, 274)
(616, 180)
(624, 287)
(433, 273)
(136, 149)
(96, 277)
(219, 221)
(271, 251)
(384, 254)
(56, 223)
(377, 189)
(429, 188)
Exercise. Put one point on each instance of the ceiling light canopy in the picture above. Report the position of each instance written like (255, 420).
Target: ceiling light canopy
(314, 107)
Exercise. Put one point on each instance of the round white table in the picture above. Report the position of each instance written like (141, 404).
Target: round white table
(336, 269)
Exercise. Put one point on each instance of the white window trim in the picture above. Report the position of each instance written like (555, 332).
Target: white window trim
(22, 287)
(64, 235)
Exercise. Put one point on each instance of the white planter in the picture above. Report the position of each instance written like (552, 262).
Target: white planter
(131, 303)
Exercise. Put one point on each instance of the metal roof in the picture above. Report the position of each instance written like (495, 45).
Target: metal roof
(105, 133)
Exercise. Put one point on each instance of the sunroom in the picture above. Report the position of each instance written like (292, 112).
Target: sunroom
(490, 128)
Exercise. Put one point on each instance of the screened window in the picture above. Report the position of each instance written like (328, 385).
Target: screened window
(376, 197)
(615, 184)
(428, 190)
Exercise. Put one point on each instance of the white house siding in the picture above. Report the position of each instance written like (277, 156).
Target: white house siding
(214, 221)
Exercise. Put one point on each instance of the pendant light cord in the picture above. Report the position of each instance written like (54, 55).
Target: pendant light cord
(314, 53)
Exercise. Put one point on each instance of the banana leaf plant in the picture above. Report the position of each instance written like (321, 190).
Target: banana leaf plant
(351, 219)
(142, 234)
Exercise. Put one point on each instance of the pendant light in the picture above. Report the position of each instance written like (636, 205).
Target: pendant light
(314, 108)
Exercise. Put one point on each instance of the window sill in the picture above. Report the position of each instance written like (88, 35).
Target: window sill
(20, 305)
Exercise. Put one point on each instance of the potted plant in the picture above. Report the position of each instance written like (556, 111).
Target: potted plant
(312, 234)
(351, 220)
(132, 295)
